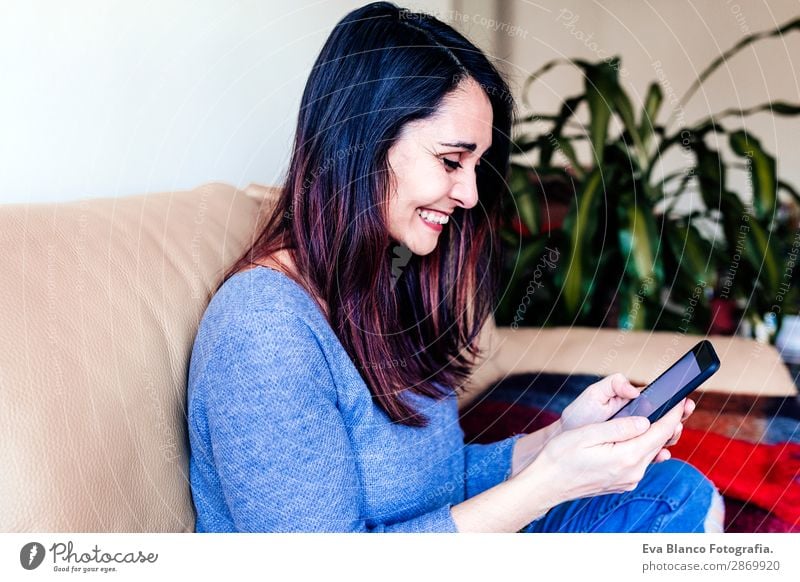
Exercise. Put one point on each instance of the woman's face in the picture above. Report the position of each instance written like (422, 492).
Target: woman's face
(434, 163)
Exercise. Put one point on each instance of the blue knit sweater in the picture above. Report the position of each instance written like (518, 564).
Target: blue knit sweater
(285, 436)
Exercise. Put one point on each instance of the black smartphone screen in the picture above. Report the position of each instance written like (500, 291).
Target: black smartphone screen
(673, 385)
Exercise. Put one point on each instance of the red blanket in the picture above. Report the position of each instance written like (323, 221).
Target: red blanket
(765, 475)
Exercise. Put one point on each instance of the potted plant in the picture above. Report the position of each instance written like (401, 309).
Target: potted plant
(625, 253)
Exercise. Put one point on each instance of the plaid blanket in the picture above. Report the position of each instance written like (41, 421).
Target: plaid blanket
(771, 426)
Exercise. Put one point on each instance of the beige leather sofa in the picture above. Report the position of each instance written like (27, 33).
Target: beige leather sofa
(100, 300)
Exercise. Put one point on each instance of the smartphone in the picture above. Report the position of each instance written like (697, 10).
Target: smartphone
(674, 385)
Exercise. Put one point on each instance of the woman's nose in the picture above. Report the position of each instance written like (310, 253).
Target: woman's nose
(465, 192)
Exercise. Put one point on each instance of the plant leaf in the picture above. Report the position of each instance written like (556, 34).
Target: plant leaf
(566, 148)
(550, 139)
(786, 187)
(581, 224)
(538, 73)
(692, 252)
(525, 196)
(715, 64)
(601, 88)
(652, 104)
(761, 257)
(763, 173)
(774, 107)
(638, 240)
(622, 104)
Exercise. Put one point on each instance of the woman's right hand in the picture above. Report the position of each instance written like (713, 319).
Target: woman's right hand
(600, 458)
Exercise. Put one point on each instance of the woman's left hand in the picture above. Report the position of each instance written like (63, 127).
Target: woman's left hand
(599, 401)
(604, 398)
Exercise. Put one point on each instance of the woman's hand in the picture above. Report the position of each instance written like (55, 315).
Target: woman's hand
(604, 398)
(598, 402)
(600, 458)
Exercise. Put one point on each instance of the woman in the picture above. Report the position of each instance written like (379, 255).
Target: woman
(324, 377)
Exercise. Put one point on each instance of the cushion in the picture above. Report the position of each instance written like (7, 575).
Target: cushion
(101, 300)
(746, 366)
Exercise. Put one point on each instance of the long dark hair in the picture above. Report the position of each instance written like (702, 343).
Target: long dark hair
(416, 328)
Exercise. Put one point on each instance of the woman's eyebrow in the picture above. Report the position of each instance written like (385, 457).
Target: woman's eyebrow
(462, 144)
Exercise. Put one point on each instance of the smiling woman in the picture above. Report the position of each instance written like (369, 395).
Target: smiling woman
(433, 177)
(394, 123)
(322, 388)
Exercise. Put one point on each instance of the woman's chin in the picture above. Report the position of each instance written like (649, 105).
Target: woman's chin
(422, 248)
(421, 244)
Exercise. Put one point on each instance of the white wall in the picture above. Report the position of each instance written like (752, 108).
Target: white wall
(102, 98)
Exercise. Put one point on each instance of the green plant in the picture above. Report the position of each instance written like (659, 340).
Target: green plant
(627, 255)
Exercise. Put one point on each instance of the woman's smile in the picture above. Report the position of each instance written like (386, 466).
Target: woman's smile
(433, 219)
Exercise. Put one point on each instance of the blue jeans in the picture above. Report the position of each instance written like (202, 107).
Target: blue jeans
(672, 496)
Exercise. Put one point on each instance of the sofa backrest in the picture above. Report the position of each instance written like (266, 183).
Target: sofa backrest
(100, 302)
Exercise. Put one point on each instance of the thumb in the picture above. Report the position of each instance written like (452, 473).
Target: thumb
(616, 430)
(621, 386)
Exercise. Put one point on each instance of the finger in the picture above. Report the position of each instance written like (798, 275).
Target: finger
(621, 386)
(663, 455)
(675, 435)
(688, 409)
(648, 444)
(665, 427)
(614, 431)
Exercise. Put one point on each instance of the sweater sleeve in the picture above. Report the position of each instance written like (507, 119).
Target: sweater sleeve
(279, 443)
(487, 465)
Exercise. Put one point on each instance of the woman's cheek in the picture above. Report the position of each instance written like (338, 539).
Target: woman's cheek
(433, 186)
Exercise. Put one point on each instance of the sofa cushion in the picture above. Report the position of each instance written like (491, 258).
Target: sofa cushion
(746, 366)
(100, 301)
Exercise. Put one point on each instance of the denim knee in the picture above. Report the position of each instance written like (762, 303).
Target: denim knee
(687, 491)
(672, 496)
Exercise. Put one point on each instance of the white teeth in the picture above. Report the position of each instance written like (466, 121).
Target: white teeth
(433, 217)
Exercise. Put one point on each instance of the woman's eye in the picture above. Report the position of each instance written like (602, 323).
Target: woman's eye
(452, 164)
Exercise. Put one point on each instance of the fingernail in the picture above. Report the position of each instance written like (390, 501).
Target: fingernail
(642, 423)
